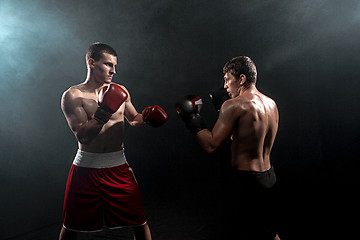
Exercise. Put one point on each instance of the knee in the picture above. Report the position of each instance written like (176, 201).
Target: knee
(142, 232)
(141, 228)
(67, 234)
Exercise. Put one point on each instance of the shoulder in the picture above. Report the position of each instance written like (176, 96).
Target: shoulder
(231, 107)
(71, 95)
(238, 104)
(73, 91)
(270, 102)
(240, 107)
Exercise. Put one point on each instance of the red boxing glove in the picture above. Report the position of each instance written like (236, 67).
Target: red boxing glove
(110, 99)
(154, 115)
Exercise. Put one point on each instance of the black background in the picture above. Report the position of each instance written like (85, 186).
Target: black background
(307, 56)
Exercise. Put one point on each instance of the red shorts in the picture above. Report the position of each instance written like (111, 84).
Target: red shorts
(95, 195)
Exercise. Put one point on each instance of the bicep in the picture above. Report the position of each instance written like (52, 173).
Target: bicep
(224, 126)
(130, 111)
(73, 110)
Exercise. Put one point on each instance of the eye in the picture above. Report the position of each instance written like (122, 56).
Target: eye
(109, 64)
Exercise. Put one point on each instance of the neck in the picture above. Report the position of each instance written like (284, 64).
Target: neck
(93, 85)
(247, 88)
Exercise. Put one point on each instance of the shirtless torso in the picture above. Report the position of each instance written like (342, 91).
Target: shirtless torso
(251, 120)
(254, 131)
(79, 104)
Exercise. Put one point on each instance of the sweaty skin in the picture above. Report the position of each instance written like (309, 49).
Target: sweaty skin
(79, 104)
(251, 120)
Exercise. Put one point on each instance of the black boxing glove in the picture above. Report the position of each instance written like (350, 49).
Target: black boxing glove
(218, 97)
(188, 108)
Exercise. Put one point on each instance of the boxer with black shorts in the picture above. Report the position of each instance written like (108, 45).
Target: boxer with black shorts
(250, 119)
(101, 189)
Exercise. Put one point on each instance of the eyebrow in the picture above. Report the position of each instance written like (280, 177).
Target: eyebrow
(110, 63)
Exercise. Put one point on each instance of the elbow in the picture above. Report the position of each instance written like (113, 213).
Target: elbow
(210, 149)
(206, 143)
(82, 139)
(137, 124)
(137, 121)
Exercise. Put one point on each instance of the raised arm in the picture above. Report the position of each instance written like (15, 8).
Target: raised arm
(84, 129)
(211, 140)
(132, 116)
(153, 115)
(189, 108)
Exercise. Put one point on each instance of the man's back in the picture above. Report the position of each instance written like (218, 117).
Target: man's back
(254, 132)
(251, 119)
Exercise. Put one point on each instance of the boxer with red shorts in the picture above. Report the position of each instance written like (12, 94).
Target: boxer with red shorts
(101, 188)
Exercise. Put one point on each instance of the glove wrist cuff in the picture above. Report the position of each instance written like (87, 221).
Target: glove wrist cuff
(102, 116)
(196, 124)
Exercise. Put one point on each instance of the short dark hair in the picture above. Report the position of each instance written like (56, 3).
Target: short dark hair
(241, 65)
(96, 50)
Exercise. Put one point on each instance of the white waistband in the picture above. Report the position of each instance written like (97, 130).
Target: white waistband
(99, 160)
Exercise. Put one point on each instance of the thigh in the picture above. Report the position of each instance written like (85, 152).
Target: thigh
(122, 199)
(249, 210)
(82, 203)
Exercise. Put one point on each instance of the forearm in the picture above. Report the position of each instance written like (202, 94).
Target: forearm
(205, 140)
(137, 121)
(188, 109)
(89, 131)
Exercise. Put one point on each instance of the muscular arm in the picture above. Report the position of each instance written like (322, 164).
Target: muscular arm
(211, 140)
(132, 116)
(85, 130)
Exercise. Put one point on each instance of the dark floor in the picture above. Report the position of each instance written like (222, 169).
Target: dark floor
(304, 211)
(52, 232)
(173, 233)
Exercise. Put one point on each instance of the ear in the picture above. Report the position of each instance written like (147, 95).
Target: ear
(91, 62)
(242, 79)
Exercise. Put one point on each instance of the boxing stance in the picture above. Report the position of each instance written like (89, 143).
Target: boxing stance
(101, 187)
(250, 119)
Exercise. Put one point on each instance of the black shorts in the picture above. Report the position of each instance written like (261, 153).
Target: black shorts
(249, 209)
(253, 180)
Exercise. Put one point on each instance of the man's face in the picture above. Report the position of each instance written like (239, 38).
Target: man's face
(104, 68)
(231, 84)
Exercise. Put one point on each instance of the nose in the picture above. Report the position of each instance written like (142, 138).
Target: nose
(113, 70)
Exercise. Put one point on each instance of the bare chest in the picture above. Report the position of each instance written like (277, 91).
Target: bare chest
(90, 105)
